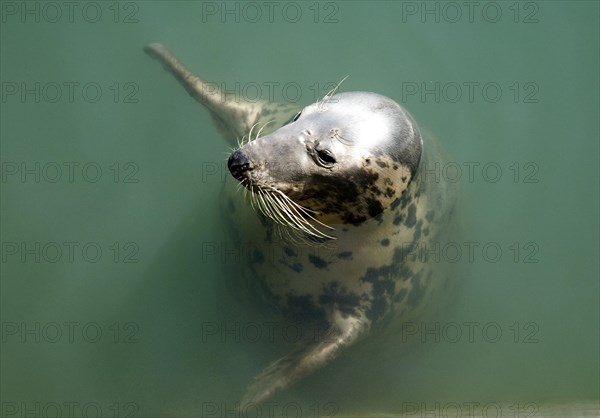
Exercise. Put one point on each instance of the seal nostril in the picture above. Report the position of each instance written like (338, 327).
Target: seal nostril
(238, 163)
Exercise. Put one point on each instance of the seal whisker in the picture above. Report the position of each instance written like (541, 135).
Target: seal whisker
(321, 105)
(288, 221)
(299, 225)
(283, 214)
(305, 211)
(277, 206)
(241, 186)
(334, 90)
(271, 209)
(292, 236)
(253, 201)
(300, 214)
(250, 133)
(296, 215)
(265, 208)
(263, 127)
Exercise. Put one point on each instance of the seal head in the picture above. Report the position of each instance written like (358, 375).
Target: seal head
(344, 159)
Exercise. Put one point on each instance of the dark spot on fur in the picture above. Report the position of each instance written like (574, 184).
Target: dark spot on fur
(411, 218)
(342, 195)
(296, 267)
(398, 218)
(381, 278)
(405, 273)
(354, 219)
(403, 178)
(375, 190)
(417, 292)
(400, 296)
(405, 202)
(389, 192)
(430, 215)
(268, 225)
(339, 297)
(302, 308)
(385, 242)
(382, 164)
(289, 251)
(345, 255)
(402, 201)
(375, 207)
(417, 233)
(317, 261)
(258, 257)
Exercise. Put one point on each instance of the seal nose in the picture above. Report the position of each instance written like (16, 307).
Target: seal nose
(238, 164)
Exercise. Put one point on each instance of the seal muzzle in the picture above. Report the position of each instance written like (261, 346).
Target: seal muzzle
(238, 164)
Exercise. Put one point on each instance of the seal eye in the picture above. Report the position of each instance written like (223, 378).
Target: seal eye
(325, 158)
(297, 116)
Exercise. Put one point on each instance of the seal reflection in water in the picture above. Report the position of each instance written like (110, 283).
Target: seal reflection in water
(340, 181)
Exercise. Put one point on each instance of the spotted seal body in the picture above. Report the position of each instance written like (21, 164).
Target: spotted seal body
(339, 189)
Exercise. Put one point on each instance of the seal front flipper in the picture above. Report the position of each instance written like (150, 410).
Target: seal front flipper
(233, 115)
(324, 349)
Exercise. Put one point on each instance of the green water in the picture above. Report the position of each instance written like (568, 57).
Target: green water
(155, 291)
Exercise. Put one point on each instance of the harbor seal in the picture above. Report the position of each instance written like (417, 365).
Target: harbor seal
(338, 186)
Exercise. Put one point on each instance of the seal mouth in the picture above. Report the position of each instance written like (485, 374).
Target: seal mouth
(281, 209)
